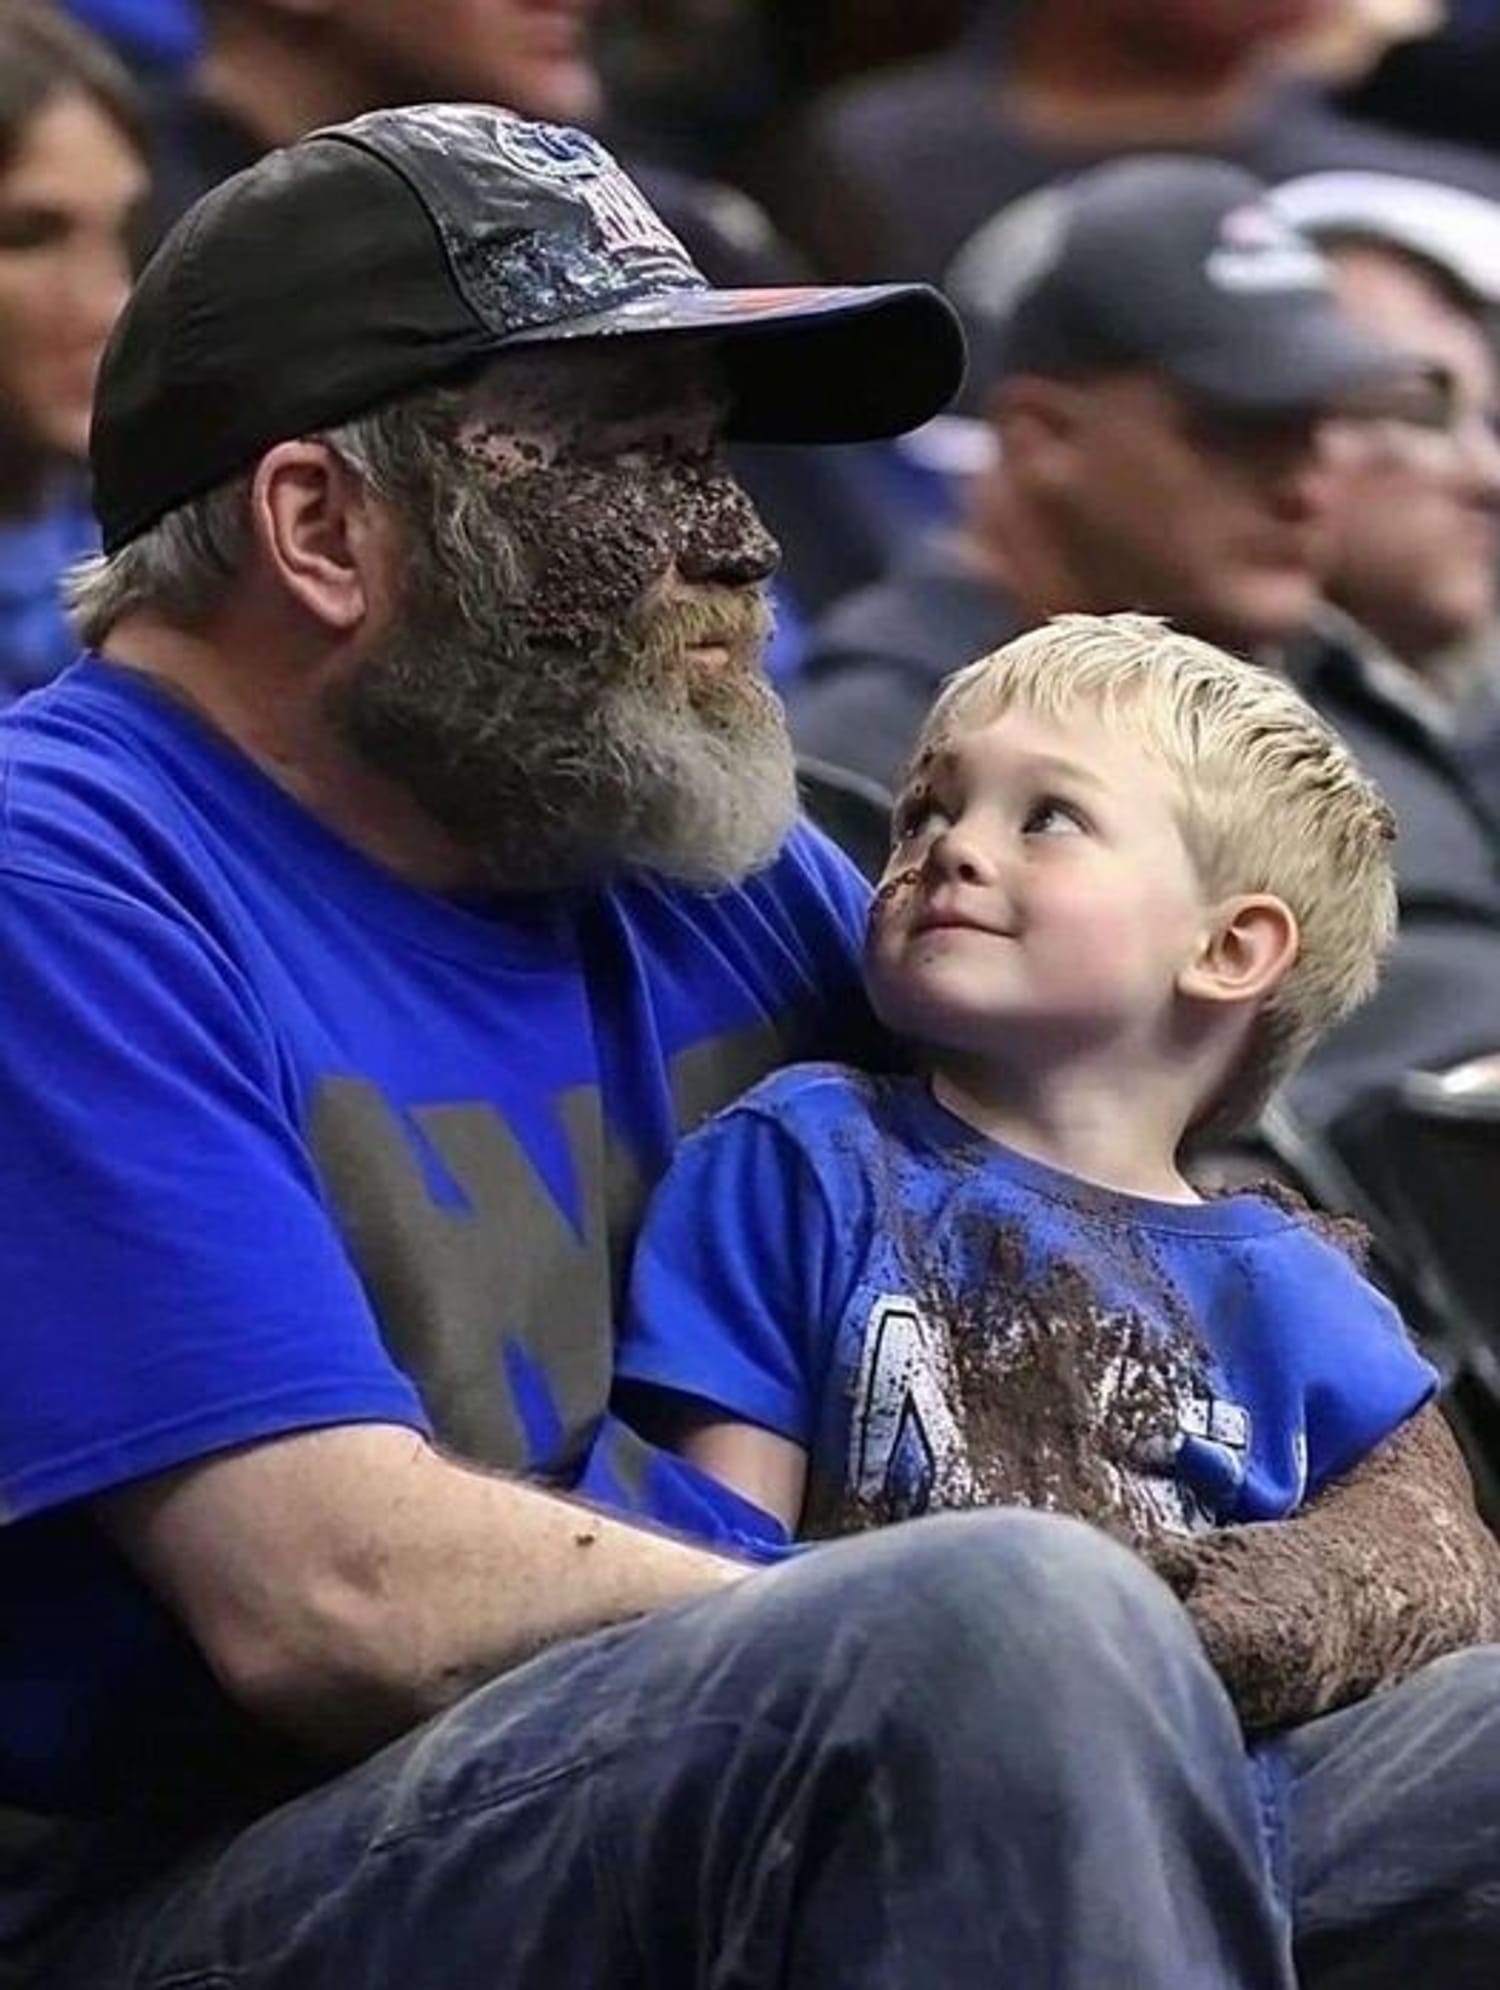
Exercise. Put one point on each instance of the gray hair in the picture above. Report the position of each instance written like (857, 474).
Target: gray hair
(181, 567)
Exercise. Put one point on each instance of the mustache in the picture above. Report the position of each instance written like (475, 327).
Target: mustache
(741, 619)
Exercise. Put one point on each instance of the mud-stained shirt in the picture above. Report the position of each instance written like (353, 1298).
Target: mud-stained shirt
(285, 1143)
(941, 1322)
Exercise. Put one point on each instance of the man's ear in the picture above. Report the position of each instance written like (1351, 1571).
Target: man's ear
(312, 517)
(1252, 942)
(1037, 422)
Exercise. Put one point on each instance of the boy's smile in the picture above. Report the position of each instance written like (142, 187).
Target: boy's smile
(1039, 891)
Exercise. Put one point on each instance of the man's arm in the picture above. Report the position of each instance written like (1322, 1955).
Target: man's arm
(1388, 1567)
(343, 1584)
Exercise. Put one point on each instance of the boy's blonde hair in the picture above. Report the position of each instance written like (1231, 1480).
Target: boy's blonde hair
(1270, 800)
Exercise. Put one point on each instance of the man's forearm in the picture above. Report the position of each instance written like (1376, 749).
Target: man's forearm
(345, 1584)
(1389, 1567)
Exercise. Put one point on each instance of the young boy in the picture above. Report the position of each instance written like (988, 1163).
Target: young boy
(1132, 882)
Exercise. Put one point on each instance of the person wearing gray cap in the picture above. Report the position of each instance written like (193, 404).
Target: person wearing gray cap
(1158, 360)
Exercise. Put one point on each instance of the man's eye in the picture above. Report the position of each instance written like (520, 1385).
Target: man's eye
(1050, 817)
(30, 227)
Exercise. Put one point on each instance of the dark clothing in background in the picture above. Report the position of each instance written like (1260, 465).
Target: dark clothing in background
(1438, 1002)
(889, 176)
(875, 661)
(195, 145)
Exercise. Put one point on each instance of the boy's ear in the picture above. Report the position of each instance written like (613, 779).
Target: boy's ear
(1251, 944)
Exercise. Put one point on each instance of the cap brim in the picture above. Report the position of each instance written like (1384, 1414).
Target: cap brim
(1300, 366)
(804, 364)
(1456, 230)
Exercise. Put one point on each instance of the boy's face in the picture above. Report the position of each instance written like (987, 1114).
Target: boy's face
(1039, 899)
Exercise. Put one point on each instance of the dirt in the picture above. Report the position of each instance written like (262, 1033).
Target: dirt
(1073, 1407)
(1066, 1403)
(1388, 1568)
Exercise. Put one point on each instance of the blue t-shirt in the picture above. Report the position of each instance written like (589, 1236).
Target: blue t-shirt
(36, 641)
(942, 1322)
(286, 1143)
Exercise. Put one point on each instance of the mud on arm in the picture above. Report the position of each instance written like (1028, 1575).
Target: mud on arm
(1388, 1567)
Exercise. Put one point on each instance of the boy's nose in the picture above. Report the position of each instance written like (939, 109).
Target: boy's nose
(960, 857)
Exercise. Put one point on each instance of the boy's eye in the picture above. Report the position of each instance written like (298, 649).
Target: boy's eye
(912, 817)
(1051, 817)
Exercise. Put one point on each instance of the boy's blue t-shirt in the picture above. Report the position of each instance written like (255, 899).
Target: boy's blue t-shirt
(285, 1143)
(941, 1322)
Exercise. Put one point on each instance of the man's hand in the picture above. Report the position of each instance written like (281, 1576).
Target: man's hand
(1387, 1568)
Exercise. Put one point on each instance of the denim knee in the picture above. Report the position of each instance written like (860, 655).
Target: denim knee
(1013, 1574)
(1041, 1610)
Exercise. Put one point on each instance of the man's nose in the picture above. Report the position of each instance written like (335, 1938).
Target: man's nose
(720, 537)
(1480, 445)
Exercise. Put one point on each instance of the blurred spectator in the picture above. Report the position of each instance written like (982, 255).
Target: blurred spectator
(1159, 394)
(156, 37)
(1415, 563)
(270, 70)
(1346, 38)
(72, 180)
(1446, 85)
(1407, 673)
(891, 175)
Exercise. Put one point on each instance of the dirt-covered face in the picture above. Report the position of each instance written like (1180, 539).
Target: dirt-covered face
(573, 681)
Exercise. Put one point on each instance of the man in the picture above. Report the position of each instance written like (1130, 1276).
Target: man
(1406, 668)
(1415, 554)
(415, 864)
(1163, 369)
(272, 70)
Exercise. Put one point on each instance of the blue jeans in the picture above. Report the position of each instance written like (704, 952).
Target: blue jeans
(977, 1749)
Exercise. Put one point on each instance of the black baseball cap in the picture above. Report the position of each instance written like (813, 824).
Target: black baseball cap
(377, 256)
(1179, 265)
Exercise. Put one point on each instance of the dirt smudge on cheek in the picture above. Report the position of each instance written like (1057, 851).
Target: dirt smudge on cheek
(899, 886)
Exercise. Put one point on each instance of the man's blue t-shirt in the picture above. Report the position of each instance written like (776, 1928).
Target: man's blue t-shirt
(286, 1143)
(942, 1322)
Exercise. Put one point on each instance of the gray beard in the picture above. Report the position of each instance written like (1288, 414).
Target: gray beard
(556, 771)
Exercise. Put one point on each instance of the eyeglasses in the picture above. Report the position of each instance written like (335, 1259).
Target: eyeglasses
(1424, 410)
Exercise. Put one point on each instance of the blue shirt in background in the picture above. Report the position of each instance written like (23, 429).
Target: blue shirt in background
(35, 639)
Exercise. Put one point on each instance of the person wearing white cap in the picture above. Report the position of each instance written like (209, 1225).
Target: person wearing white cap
(1404, 659)
(1418, 550)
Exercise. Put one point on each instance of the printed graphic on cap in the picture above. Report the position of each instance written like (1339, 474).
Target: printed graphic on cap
(1258, 251)
(539, 225)
(555, 154)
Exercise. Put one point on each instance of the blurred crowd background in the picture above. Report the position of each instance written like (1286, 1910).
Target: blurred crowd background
(860, 140)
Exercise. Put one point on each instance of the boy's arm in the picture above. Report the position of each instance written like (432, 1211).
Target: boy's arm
(731, 1296)
(1388, 1567)
(768, 1470)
